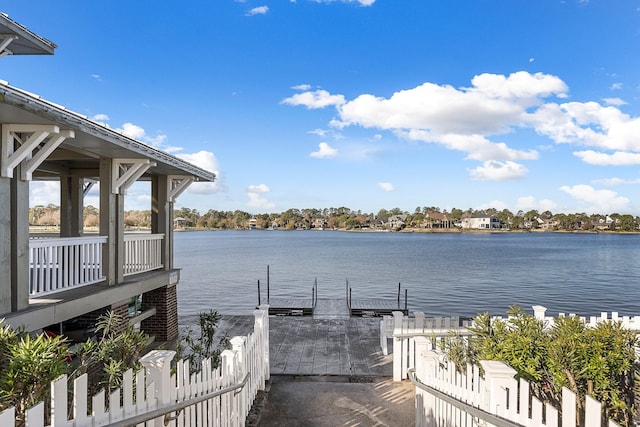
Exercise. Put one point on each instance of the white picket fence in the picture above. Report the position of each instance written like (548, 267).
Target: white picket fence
(403, 330)
(498, 394)
(211, 397)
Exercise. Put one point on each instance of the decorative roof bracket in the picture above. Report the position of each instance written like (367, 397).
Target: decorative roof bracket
(5, 41)
(126, 172)
(32, 150)
(88, 185)
(177, 184)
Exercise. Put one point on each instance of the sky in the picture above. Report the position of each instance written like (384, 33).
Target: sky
(365, 104)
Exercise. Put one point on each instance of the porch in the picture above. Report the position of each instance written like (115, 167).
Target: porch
(57, 264)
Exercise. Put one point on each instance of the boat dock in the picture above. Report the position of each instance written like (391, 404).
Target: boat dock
(326, 308)
(329, 308)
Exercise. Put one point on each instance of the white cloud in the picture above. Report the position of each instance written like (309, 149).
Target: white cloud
(324, 151)
(303, 87)
(618, 158)
(102, 118)
(319, 132)
(588, 124)
(613, 182)
(493, 170)
(616, 86)
(386, 186)
(133, 131)
(495, 204)
(97, 77)
(314, 100)
(207, 161)
(528, 203)
(471, 120)
(44, 192)
(256, 200)
(614, 101)
(260, 10)
(260, 188)
(597, 200)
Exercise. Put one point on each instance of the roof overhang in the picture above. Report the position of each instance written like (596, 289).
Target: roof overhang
(16, 39)
(81, 154)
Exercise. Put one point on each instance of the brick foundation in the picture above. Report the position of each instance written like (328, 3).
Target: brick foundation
(164, 325)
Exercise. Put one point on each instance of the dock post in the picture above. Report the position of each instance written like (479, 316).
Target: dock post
(398, 294)
(346, 290)
(349, 298)
(267, 283)
(259, 299)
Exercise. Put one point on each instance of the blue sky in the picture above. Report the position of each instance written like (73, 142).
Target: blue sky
(367, 104)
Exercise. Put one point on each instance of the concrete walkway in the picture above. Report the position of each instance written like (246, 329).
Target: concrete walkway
(329, 372)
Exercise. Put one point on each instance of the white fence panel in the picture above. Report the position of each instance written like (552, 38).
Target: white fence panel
(154, 388)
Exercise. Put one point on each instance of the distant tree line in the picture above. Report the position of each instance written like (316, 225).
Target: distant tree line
(345, 218)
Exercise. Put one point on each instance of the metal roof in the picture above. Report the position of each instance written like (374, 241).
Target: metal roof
(23, 41)
(92, 141)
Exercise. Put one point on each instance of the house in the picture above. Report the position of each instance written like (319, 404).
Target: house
(485, 222)
(437, 220)
(67, 281)
(396, 221)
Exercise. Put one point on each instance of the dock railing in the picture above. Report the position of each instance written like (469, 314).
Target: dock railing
(210, 397)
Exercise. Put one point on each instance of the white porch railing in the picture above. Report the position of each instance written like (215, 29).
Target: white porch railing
(57, 264)
(155, 394)
(142, 252)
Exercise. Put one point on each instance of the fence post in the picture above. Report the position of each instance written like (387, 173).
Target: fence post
(238, 345)
(426, 365)
(419, 321)
(397, 346)
(498, 377)
(538, 312)
(157, 364)
(265, 328)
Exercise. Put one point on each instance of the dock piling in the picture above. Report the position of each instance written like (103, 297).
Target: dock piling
(259, 299)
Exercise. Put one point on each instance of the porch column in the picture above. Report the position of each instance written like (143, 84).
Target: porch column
(71, 206)
(111, 225)
(5, 248)
(19, 242)
(162, 217)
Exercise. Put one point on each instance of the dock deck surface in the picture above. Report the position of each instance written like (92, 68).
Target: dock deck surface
(308, 346)
(328, 372)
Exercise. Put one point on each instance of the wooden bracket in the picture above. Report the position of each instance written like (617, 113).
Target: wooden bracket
(26, 143)
(177, 184)
(126, 172)
(5, 41)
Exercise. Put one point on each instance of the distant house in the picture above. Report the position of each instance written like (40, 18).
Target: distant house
(437, 220)
(396, 221)
(486, 222)
(253, 223)
(319, 224)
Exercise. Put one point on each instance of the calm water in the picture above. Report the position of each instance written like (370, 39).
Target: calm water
(444, 274)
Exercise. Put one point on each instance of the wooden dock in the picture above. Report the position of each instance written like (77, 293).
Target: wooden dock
(370, 307)
(289, 306)
(375, 307)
